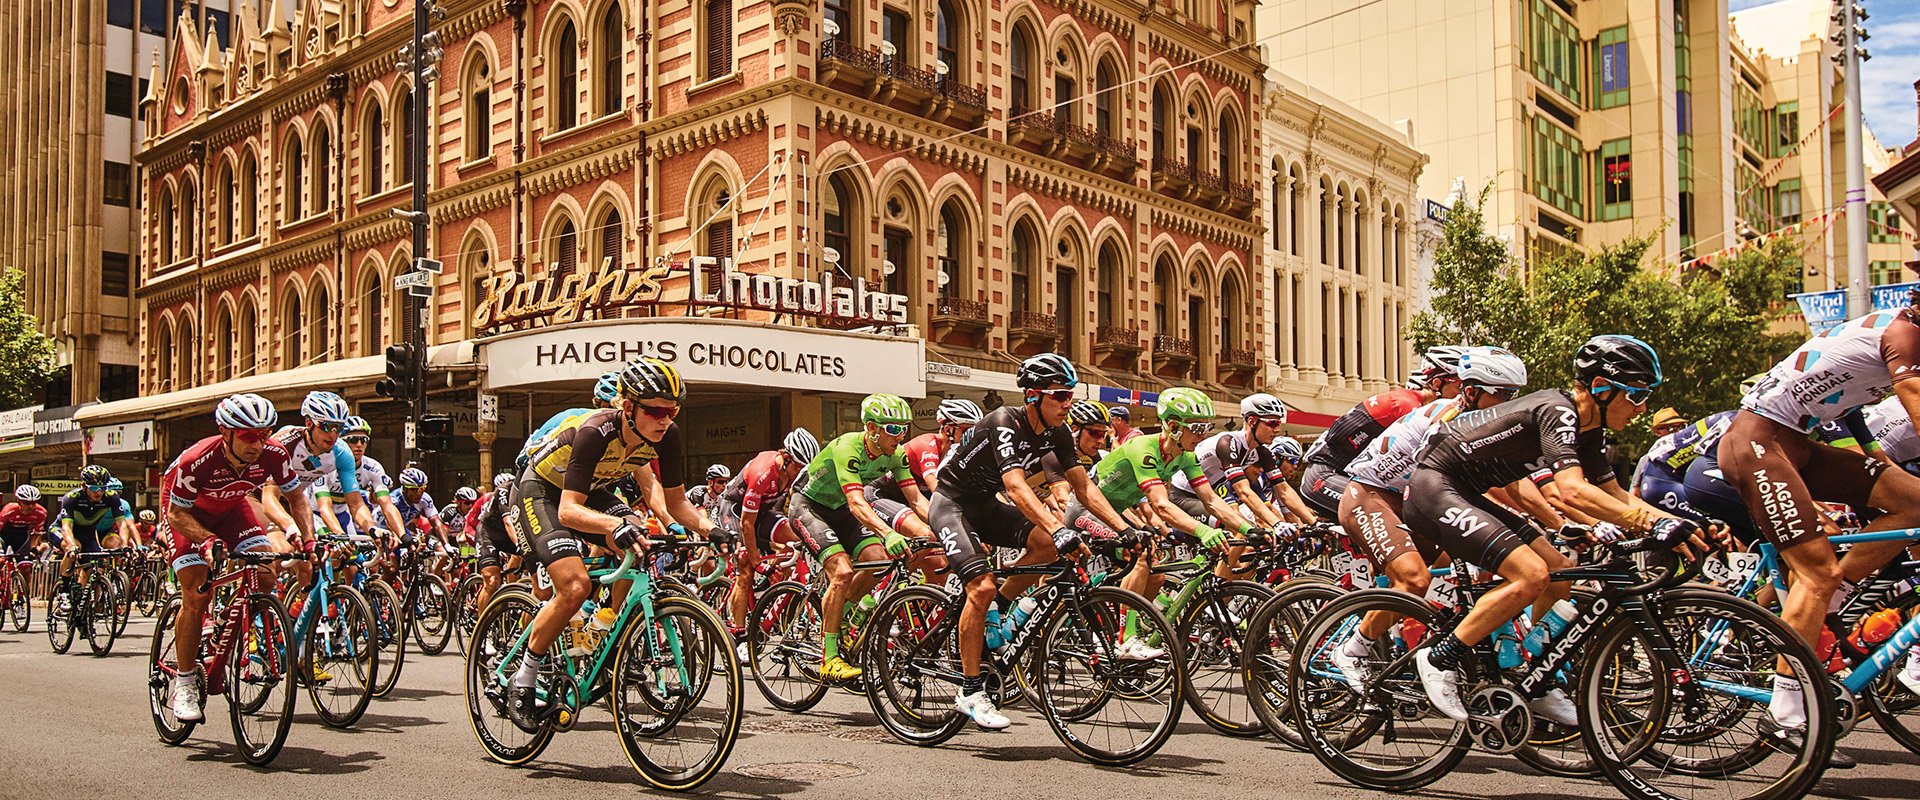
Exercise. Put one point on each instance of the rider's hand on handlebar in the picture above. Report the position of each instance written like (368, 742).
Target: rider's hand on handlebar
(628, 536)
(1067, 542)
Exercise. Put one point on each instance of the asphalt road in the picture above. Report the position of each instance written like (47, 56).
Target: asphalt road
(78, 727)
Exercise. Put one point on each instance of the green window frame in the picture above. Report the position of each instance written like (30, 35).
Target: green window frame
(1787, 205)
(1613, 180)
(1786, 128)
(1556, 50)
(1885, 272)
(1611, 74)
(1557, 164)
(1883, 226)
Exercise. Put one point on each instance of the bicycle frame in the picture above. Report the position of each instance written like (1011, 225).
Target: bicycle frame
(584, 689)
(227, 627)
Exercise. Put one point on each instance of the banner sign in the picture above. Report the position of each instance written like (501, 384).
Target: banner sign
(1892, 297)
(126, 437)
(555, 299)
(1824, 310)
(57, 426)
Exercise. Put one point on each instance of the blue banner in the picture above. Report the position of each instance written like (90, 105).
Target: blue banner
(1113, 395)
(1824, 310)
(1891, 297)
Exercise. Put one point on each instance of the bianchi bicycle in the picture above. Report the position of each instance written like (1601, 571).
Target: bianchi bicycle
(338, 658)
(16, 589)
(86, 604)
(244, 654)
(666, 669)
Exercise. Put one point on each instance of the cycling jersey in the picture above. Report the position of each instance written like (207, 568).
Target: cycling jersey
(1883, 425)
(844, 465)
(1226, 457)
(760, 485)
(453, 518)
(421, 507)
(1127, 471)
(88, 514)
(20, 521)
(207, 485)
(588, 452)
(1532, 437)
(310, 468)
(1054, 472)
(1678, 449)
(1002, 441)
(369, 474)
(1387, 462)
(552, 424)
(924, 454)
(1349, 434)
(1853, 365)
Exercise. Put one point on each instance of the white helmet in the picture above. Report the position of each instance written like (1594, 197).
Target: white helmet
(1263, 405)
(28, 493)
(1492, 367)
(1444, 361)
(801, 445)
(245, 412)
(503, 481)
(958, 411)
(325, 407)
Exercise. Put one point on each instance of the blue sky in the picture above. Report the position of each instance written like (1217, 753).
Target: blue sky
(1886, 80)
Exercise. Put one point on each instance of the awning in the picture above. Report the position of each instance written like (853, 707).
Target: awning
(330, 375)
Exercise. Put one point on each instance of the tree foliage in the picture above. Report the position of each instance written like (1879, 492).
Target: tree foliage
(26, 355)
(1712, 327)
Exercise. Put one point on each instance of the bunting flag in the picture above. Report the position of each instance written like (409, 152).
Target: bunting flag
(1707, 260)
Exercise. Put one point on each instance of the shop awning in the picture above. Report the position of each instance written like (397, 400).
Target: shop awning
(331, 375)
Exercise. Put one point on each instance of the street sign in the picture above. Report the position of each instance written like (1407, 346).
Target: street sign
(409, 280)
(420, 291)
(407, 443)
(427, 265)
(489, 407)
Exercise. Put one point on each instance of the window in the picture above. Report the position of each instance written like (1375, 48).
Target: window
(719, 32)
(217, 22)
(898, 244)
(1615, 176)
(842, 19)
(372, 297)
(1106, 118)
(249, 202)
(164, 225)
(1556, 167)
(1196, 148)
(189, 221)
(1883, 224)
(119, 382)
(953, 242)
(948, 39)
(319, 309)
(153, 17)
(563, 107)
(1683, 111)
(1751, 121)
(1162, 120)
(119, 94)
(1066, 310)
(1610, 68)
(1023, 254)
(116, 274)
(322, 169)
(293, 330)
(1066, 93)
(403, 138)
(838, 215)
(613, 51)
(228, 199)
(1787, 195)
(897, 30)
(1555, 52)
(371, 136)
(609, 240)
(1108, 302)
(1885, 272)
(566, 256)
(120, 13)
(1020, 69)
(119, 190)
(478, 117)
(1162, 299)
(1229, 315)
(1229, 149)
(1786, 128)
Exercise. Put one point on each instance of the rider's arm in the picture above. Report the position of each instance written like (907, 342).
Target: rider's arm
(1250, 499)
(1296, 507)
(279, 512)
(186, 524)
(395, 525)
(1217, 506)
(1014, 481)
(1527, 498)
(915, 499)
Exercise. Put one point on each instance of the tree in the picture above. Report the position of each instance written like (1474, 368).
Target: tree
(26, 354)
(1712, 327)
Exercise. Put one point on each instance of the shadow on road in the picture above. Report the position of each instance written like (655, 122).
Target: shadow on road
(295, 760)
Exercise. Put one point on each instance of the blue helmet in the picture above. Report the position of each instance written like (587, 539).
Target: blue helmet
(607, 389)
(1047, 369)
(413, 478)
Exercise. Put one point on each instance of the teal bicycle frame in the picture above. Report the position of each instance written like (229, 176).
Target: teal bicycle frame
(585, 680)
(317, 598)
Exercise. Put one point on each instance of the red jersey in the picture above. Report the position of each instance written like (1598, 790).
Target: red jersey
(760, 483)
(203, 478)
(924, 454)
(29, 517)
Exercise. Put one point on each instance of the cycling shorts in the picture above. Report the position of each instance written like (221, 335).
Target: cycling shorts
(237, 528)
(729, 516)
(533, 519)
(1780, 473)
(494, 543)
(1708, 495)
(828, 531)
(1371, 518)
(1463, 522)
(1192, 504)
(966, 526)
(1321, 487)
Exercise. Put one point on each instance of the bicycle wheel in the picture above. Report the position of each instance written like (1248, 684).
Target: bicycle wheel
(63, 607)
(1648, 739)
(1267, 664)
(432, 620)
(162, 663)
(1895, 708)
(913, 665)
(1107, 710)
(122, 601)
(338, 657)
(1555, 749)
(675, 724)
(102, 617)
(260, 692)
(492, 656)
(19, 601)
(1392, 739)
(390, 634)
(784, 647)
(1213, 631)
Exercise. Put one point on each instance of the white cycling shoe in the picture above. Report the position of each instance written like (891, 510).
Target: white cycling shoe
(1555, 707)
(1137, 649)
(979, 708)
(185, 699)
(1352, 668)
(1442, 686)
(1910, 675)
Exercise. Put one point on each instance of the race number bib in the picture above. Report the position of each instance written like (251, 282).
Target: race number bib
(1359, 570)
(1443, 591)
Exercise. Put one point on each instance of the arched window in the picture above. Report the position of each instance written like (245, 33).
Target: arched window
(371, 299)
(1197, 319)
(479, 271)
(322, 169)
(295, 165)
(1296, 209)
(1229, 314)
(223, 344)
(612, 61)
(372, 140)
(1165, 308)
(1026, 249)
(293, 330)
(1066, 86)
(1277, 207)
(1020, 69)
(953, 249)
(165, 224)
(319, 313)
(249, 196)
(1196, 136)
(247, 333)
(1112, 291)
(188, 368)
(164, 360)
(839, 216)
(1066, 299)
(566, 250)
(563, 103)
(1106, 101)
(477, 119)
(1229, 148)
(189, 220)
(718, 23)
(226, 210)
(609, 241)
(1326, 212)
(897, 248)
(1162, 123)
(949, 37)
(403, 137)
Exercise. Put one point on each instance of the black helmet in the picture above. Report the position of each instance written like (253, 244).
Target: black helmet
(95, 476)
(1617, 358)
(1047, 369)
(651, 378)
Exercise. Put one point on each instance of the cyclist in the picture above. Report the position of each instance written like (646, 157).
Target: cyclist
(1556, 438)
(315, 453)
(495, 549)
(210, 494)
(22, 520)
(1227, 458)
(606, 393)
(1324, 480)
(88, 515)
(1660, 477)
(1123, 430)
(562, 501)
(1092, 427)
(1002, 454)
(923, 454)
(1781, 473)
(751, 506)
(1276, 485)
(374, 486)
(706, 495)
(144, 525)
(124, 533)
(832, 516)
(1370, 510)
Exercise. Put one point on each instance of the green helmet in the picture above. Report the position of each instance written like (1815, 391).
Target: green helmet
(885, 408)
(1183, 403)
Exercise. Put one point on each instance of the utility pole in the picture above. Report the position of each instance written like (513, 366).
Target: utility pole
(1851, 17)
(420, 60)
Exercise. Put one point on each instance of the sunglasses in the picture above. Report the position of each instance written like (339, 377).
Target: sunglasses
(358, 438)
(1099, 433)
(1194, 427)
(1503, 392)
(660, 412)
(250, 435)
(1636, 395)
(330, 427)
(1271, 422)
(893, 428)
(1061, 395)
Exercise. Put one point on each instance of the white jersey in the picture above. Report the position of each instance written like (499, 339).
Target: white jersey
(1845, 368)
(371, 477)
(1891, 428)
(310, 468)
(1387, 462)
(1225, 457)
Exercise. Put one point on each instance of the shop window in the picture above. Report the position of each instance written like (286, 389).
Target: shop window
(1610, 78)
(1615, 191)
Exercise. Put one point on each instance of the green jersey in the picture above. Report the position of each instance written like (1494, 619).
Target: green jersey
(844, 463)
(1126, 472)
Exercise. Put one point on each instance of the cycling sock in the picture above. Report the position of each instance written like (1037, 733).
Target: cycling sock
(1447, 653)
(829, 646)
(973, 684)
(529, 672)
(1787, 707)
(1132, 624)
(1358, 646)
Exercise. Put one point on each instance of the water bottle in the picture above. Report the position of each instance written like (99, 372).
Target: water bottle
(1506, 646)
(996, 636)
(576, 635)
(1550, 627)
(1023, 611)
(1875, 628)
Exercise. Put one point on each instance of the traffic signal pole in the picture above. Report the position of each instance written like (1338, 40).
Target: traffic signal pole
(420, 59)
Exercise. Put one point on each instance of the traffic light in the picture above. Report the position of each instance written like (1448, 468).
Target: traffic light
(436, 433)
(402, 373)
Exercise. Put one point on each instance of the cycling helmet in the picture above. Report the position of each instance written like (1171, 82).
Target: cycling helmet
(1418, 378)
(413, 478)
(245, 412)
(325, 407)
(958, 411)
(719, 472)
(607, 389)
(651, 379)
(1494, 367)
(114, 485)
(1751, 381)
(1287, 448)
(801, 446)
(1263, 405)
(1618, 358)
(95, 476)
(1184, 403)
(503, 481)
(1047, 369)
(885, 408)
(1444, 361)
(358, 425)
(27, 493)
(1087, 412)
(466, 493)
(147, 515)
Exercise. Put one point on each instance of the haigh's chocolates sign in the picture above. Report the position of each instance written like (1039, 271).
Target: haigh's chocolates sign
(513, 298)
(831, 296)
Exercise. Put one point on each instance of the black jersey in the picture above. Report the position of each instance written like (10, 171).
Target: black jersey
(1352, 431)
(1001, 441)
(1529, 437)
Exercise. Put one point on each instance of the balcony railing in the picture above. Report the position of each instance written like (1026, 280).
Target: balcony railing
(1241, 358)
(1172, 346)
(846, 53)
(1115, 336)
(893, 80)
(1033, 321)
(960, 308)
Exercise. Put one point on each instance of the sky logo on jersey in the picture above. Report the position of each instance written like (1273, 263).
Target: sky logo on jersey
(1462, 520)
